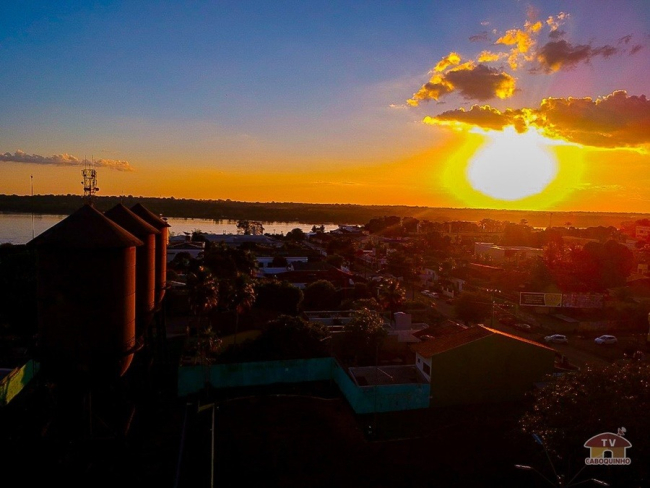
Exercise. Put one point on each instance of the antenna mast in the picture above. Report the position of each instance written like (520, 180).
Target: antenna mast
(89, 182)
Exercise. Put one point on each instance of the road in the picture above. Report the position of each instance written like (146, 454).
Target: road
(579, 352)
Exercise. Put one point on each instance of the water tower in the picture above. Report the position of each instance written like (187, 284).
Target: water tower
(86, 291)
(145, 257)
(161, 248)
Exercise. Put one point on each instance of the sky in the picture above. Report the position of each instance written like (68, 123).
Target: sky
(470, 104)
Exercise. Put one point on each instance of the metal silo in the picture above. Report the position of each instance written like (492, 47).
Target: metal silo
(145, 268)
(86, 276)
(161, 248)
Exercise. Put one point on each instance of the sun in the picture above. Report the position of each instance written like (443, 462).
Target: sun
(511, 166)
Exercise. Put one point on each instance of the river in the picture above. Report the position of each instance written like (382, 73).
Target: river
(20, 228)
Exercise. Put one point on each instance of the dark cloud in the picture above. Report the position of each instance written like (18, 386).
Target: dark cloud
(556, 34)
(625, 39)
(636, 49)
(482, 37)
(63, 160)
(472, 82)
(482, 116)
(481, 83)
(561, 55)
(614, 121)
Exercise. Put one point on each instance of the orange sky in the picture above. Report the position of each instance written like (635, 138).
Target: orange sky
(536, 106)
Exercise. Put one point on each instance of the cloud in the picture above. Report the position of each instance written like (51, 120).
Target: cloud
(476, 78)
(476, 82)
(481, 37)
(614, 121)
(636, 49)
(555, 22)
(64, 160)
(561, 55)
(452, 59)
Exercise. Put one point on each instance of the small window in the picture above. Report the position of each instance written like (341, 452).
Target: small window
(419, 360)
(426, 368)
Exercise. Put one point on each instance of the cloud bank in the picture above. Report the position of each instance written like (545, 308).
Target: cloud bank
(64, 160)
(617, 120)
(513, 50)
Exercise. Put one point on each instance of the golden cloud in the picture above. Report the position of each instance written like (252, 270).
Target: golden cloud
(452, 59)
(478, 82)
(614, 121)
(64, 160)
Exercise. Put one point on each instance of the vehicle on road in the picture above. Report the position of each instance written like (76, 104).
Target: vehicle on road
(522, 326)
(429, 293)
(556, 339)
(606, 339)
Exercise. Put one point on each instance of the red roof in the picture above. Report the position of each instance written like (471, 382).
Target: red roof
(450, 341)
(447, 342)
(608, 439)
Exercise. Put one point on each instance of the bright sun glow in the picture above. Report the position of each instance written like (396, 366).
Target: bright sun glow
(512, 166)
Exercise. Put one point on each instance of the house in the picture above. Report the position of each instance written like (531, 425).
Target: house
(194, 248)
(265, 265)
(490, 252)
(479, 365)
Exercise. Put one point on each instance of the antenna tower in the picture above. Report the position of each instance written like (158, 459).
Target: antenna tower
(89, 182)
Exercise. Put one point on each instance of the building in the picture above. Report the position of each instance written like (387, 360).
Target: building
(481, 365)
(490, 252)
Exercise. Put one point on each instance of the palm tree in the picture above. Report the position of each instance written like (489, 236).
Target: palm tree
(391, 295)
(203, 297)
(241, 297)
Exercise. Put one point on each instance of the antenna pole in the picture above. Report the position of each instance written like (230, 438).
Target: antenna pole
(31, 181)
(89, 182)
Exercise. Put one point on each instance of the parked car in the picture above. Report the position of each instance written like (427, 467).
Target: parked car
(556, 338)
(522, 326)
(606, 339)
(429, 293)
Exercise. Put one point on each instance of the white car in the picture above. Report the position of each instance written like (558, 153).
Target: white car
(606, 339)
(556, 338)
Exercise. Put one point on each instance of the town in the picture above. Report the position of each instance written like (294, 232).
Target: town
(349, 347)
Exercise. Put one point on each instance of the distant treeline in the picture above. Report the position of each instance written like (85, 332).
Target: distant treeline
(309, 213)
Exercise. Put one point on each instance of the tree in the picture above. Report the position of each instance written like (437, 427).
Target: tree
(391, 295)
(250, 227)
(335, 260)
(364, 334)
(203, 297)
(240, 297)
(571, 408)
(286, 337)
(279, 296)
(227, 262)
(320, 295)
(296, 235)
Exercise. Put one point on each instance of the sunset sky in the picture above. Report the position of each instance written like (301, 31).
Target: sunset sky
(486, 104)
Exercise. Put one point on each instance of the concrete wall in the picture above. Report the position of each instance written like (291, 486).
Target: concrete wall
(366, 399)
